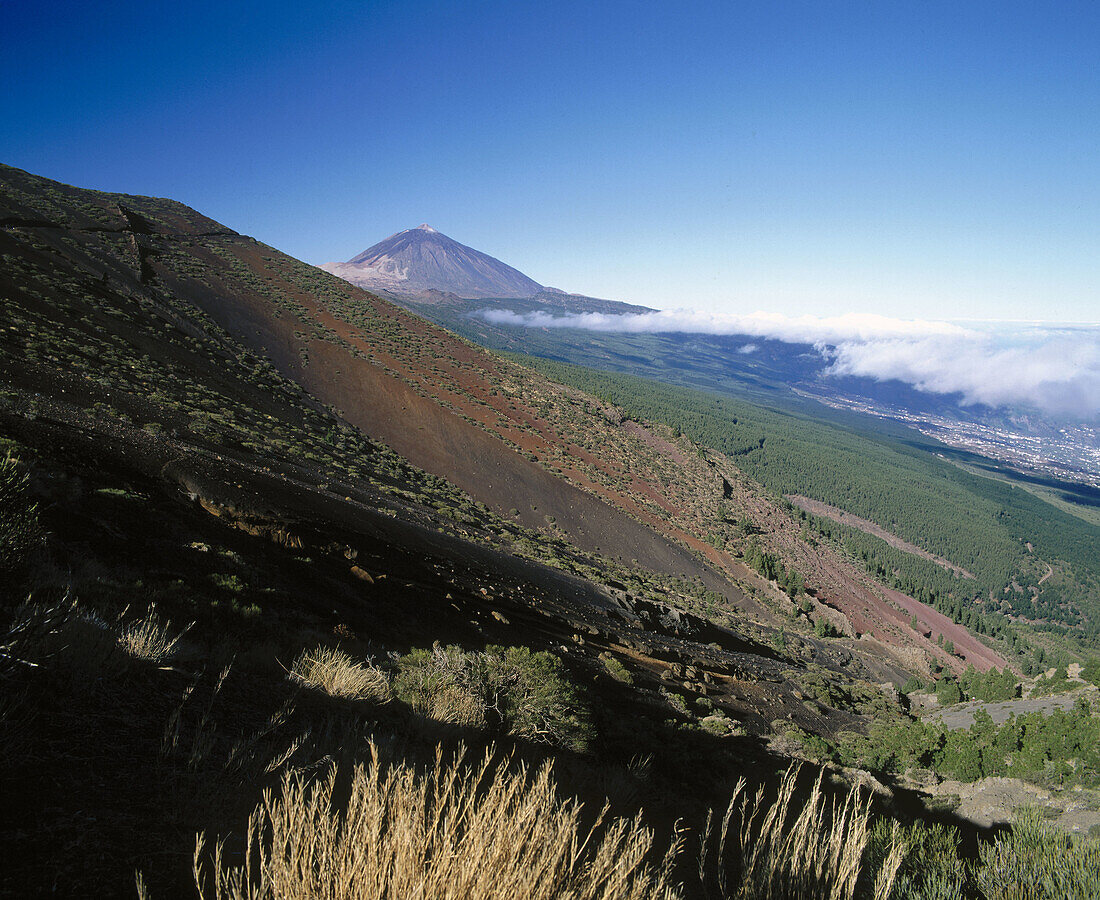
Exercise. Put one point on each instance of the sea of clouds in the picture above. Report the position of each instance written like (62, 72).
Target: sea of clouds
(1050, 367)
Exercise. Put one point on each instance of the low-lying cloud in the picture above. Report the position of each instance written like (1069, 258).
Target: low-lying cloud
(794, 329)
(1058, 374)
(1052, 368)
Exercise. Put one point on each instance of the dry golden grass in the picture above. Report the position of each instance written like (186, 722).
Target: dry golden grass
(814, 855)
(456, 832)
(453, 704)
(338, 675)
(149, 639)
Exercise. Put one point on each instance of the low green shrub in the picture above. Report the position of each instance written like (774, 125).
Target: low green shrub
(676, 701)
(508, 689)
(1033, 861)
(616, 669)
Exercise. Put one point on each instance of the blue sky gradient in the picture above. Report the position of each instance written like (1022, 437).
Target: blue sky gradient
(909, 159)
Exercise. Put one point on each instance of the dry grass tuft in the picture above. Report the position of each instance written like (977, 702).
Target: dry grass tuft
(193, 740)
(814, 855)
(44, 633)
(150, 639)
(338, 675)
(456, 832)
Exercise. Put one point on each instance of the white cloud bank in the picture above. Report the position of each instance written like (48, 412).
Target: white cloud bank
(1059, 374)
(797, 329)
(1053, 368)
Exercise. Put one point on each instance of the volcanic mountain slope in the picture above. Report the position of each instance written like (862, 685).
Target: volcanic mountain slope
(420, 268)
(421, 259)
(255, 445)
(540, 455)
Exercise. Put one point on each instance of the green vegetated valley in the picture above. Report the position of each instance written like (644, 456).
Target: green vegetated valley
(1003, 536)
(304, 596)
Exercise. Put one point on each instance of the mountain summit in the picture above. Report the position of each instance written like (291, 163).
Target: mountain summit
(422, 259)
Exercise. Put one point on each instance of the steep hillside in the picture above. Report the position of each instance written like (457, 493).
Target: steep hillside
(901, 487)
(542, 456)
(985, 507)
(213, 432)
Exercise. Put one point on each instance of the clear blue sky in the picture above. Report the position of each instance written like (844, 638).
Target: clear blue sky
(920, 158)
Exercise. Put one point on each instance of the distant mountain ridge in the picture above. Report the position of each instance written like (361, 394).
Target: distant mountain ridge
(423, 259)
(422, 266)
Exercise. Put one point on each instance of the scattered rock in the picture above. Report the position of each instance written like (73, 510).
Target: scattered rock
(362, 574)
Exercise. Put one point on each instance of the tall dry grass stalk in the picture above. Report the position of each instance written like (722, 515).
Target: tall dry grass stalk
(61, 636)
(456, 832)
(338, 675)
(816, 854)
(33, 634)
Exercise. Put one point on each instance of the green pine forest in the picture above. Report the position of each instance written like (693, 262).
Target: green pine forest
(981, 524)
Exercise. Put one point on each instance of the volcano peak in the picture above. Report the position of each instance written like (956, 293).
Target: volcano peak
(424, 259)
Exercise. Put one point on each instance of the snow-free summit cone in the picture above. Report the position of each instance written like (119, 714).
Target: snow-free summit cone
(422, 259)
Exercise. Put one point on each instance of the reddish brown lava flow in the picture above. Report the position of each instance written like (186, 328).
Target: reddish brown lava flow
(378, 398)
(434, 399)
